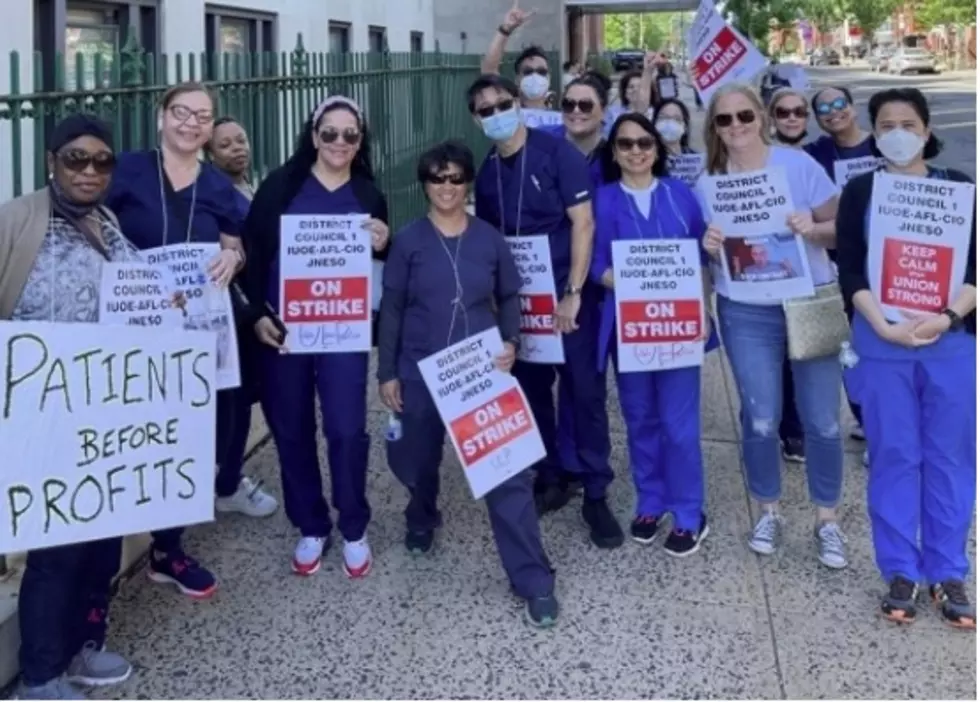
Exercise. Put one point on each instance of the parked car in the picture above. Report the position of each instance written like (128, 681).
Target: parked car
(878, 60)
(825, 57)
(912, 60)
(628, 59)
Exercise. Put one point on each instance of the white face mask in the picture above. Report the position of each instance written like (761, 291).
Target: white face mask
(534, 86)
(900, 146)
(670, 129)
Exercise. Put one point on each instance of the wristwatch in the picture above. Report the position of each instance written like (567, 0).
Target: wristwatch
(955, 321)
(573, 290)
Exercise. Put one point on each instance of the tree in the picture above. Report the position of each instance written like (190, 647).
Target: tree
(931, 13)
(871, 14)
(650, 30)
(757, 18)
(824, 15)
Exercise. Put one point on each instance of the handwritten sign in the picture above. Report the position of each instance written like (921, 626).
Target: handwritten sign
(763, 261)
(208, 308)
(534, 117)
(659, 304)
(720, 54)
(848, 168)
(686, 167)
(136, 293)
(106, 431)
(540, 342)
(325, 290)
(487, 416)
(918, 243)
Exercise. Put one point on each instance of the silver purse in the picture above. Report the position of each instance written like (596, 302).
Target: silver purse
(816, 326)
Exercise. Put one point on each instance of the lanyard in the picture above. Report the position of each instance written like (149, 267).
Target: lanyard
(165, 201)
(520, 193)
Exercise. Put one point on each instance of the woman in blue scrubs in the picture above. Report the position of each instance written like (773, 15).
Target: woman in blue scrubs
(328, 174)
(449, 276)
(167, 196)
(916, 381)
(534, 183)
(662, 409)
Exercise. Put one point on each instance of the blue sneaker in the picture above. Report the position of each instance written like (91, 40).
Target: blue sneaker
(178, 569)
(541, 612)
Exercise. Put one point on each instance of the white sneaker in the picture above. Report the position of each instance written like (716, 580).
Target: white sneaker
(357, 558)
(308, 554)
(249, 499)
(831, 543)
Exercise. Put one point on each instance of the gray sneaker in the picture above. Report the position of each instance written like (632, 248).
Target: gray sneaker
(57, 689)
(831, 541)
(92, 667)
(765, 537)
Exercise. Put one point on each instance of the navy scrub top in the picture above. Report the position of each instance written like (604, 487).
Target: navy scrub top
(825, 152)
(556, 177)
(135, 198)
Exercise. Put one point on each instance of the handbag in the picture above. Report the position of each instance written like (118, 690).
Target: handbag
(816, 326)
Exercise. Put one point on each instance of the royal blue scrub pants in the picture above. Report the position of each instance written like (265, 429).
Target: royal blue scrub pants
(64, 603)
(415, 461)
(291, 384)
(662, 412)
(921, 427)
(755, 341)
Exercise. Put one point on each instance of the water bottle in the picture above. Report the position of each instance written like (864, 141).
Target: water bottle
(848, 356)
(393, 431)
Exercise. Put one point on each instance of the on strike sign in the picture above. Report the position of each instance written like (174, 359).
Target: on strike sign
(488, 417)
(659, 304)
(721, 55)
(540, 343)
(325, 286)
(918, 243)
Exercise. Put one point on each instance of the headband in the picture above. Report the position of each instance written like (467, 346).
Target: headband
(332, 100)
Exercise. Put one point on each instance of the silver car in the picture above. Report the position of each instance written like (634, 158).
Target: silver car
(878, 59)
(912, 60)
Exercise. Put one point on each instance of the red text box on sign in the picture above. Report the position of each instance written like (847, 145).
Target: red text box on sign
(659, 322)
(537, 314)
(720, 57)
(491, 426)
(326, 300)
(916, 276)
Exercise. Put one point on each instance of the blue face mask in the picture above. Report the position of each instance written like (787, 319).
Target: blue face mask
(501, 126)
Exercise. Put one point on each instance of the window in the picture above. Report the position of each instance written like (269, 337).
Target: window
(377, 40)
(339, 38)
(417, 42)
(238, 32)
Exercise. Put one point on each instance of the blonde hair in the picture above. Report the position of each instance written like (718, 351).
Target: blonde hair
(717, 154)
(786, 92)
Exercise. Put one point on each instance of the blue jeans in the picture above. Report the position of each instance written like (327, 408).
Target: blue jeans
(755, 341)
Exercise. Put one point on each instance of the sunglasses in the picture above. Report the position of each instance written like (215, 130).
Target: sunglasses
(77, 161)
(183, 114)
(453, 179)
(835, 105)
(331, 136)
(643, 143)
(726, 120)
(530, 71)
(584, 106)
(490, 110)
(784, 113)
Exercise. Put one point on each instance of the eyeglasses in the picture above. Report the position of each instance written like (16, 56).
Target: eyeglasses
(490, 110)
(349, 136)
(835, 105)
(183, 114)
(452, 179)
(784, 113)
(726, 120)
(539, 71)
(643, 143)
(77, 161)
(584, 106)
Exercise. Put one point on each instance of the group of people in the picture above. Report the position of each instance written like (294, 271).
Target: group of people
(585, 182)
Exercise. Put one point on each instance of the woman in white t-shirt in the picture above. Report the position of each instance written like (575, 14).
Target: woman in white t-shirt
(754, 334)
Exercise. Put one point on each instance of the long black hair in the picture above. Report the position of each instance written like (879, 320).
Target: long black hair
(685, 116)
(611, 172)
(305, 153)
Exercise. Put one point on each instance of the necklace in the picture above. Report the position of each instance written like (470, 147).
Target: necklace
(163, 202)
(520, 192)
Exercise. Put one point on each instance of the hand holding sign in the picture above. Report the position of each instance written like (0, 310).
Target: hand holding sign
(801, 223)
(505, 360)
(223, 267)
(713, 241)
(379, 233)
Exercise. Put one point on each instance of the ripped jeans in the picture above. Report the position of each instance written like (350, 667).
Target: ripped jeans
(755, 341)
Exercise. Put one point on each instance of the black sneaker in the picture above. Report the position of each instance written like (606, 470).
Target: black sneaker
(550, 498)
(604, 530)
(793, 451)
(899, 604)
(419, 543)
(682, 542)
(643, 530)
(954, 604)
(541, 612)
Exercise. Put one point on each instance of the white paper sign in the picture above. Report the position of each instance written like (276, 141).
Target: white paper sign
(540, 343)
(721, 55)
(686, 167)
(534, 117)
(667, 87)
(918, 243)
(848, 168)
(659, 304)
(208, 308)
(137, 294)
(486, 414)
(325, 290)
(106, 431)
(763, 261)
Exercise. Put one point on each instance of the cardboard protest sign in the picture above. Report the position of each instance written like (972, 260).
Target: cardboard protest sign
(137, 294)
(106, 431)
(540, 342)
(325, 288)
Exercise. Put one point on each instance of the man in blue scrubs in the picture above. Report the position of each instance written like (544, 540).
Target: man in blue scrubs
(535, 183)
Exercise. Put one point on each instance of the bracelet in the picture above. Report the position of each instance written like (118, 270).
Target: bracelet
(503, 30)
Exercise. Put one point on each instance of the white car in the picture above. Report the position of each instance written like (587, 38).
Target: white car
(878, 59)
(912, 60)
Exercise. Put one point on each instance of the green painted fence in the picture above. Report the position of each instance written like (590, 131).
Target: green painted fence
(411, 100)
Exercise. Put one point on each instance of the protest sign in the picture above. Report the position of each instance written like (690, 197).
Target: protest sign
(659, 304)
(325, 289)
(667, 87)
(848, 168)
(485, 411)
(137, 294)
(106, 431)
(534, 117)
(720, 54)
(686, 167)
(918, 243)
(208, 308)
(540, 343)
(762, 261)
